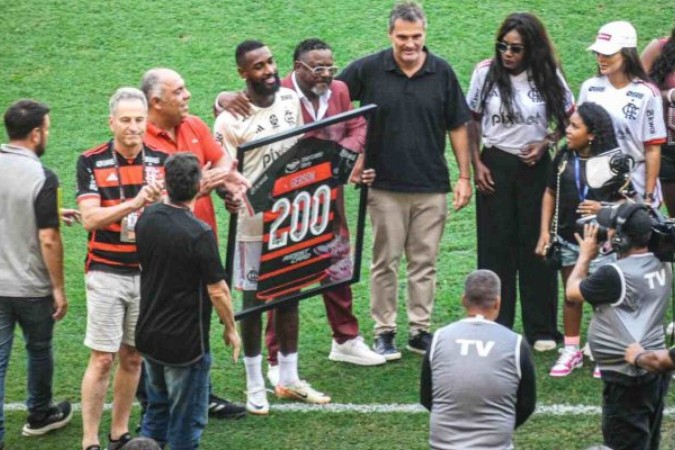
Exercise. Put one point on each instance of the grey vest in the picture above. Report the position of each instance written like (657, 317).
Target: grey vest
(22, 270)
(475, 372)
(636, 317)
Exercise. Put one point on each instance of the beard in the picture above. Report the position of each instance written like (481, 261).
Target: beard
(261, 88)
(40, 147)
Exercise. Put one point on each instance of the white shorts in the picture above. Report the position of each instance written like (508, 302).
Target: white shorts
(247, 265)
(113, 302)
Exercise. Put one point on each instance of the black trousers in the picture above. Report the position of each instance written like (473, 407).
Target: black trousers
(632, 415)
(508, 231)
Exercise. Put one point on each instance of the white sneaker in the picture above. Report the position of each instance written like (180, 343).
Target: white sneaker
(256, 401)
(596, 372)
(273, 374)
(670, 329)
(303, 392)
(544, 345)
(355, 351)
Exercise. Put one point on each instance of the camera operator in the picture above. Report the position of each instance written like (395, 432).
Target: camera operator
(629, 300)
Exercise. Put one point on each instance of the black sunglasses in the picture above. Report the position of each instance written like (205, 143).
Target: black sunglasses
(514, 48)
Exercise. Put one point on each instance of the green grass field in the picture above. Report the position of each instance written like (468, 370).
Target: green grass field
(74, 54)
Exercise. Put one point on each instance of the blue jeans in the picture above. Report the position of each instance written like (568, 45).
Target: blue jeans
(34, 316)
(178, 401)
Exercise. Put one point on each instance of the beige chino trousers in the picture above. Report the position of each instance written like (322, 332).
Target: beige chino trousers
(410, 224)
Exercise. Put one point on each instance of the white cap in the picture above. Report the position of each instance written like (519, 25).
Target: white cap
(614, 36)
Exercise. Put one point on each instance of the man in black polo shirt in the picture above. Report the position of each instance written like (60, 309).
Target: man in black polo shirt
(181, 271)
(419, 100)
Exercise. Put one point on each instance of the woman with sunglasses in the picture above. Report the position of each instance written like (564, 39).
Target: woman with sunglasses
(658, 59)
(589, 133)
(622, 87)
(520, 103)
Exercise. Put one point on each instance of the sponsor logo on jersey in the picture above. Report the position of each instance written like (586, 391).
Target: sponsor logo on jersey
(294, 258)
(508, 121)
(105, 163)
(634, 94)
(274, 121)
(260, 129)
(112, 177)
(286, 97)
(630, 111)
(596, 89)
(152, 160)
(650, 121)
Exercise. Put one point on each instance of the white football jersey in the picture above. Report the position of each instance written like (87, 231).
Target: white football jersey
(230, 132)
(636, 110)
(529, 124)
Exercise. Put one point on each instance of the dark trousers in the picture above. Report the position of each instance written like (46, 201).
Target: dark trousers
(508, 230)
(34, 316)
(632, 415)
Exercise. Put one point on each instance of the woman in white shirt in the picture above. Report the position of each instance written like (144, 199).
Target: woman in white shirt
(622, 87)
(520, 103)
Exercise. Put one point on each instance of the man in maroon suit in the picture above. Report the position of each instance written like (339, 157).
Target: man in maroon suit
(321, 96)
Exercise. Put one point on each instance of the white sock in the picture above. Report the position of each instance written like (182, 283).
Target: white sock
(288, 369)
(254, 375)
(571, 348)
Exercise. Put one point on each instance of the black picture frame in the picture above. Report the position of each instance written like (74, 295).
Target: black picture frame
(360, 222)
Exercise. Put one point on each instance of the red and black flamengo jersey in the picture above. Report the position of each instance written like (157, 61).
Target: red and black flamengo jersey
(98, 176)
(297, 196)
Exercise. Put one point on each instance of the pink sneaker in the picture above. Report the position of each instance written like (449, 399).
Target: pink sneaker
(567, 362)
(596, 372)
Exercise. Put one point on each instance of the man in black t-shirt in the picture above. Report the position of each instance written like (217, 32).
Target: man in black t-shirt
(419, 103)
(181, 272)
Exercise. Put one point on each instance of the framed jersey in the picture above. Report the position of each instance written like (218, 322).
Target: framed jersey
(312, 226)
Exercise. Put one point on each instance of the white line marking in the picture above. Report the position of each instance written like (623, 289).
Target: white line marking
(545, 410)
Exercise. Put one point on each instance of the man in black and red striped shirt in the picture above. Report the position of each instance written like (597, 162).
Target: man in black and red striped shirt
(116, 180)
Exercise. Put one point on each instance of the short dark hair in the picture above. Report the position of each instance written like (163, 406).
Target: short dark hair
(307, 46)
(243, 48)
(407, 12)
(24, 116)
(182, 174)
(142, 443)
(482, 288)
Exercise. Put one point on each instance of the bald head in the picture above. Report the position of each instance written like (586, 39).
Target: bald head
(482, 289)
(152, 81)
(167, 96)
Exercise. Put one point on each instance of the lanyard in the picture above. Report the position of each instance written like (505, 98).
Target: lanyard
(577, 177)
(119, 175)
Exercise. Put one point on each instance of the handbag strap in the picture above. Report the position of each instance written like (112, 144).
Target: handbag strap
(561, 168)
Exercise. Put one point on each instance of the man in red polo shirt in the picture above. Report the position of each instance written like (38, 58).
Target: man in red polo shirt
(172, 129)
(321, 97)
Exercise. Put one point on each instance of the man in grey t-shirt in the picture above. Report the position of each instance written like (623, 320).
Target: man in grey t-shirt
(32, 291)
(478, 377)
(629, 299)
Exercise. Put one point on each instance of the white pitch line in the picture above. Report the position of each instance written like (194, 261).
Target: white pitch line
(545, 410)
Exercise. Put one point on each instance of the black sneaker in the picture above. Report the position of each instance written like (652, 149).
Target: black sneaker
(57, 416)
(222, 409)
(385, 345)
(119, 443)
(420, 342)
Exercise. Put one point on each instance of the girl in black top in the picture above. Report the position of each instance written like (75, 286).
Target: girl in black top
(589, 133)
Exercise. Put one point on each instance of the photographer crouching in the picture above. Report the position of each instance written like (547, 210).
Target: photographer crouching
(629, 299)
